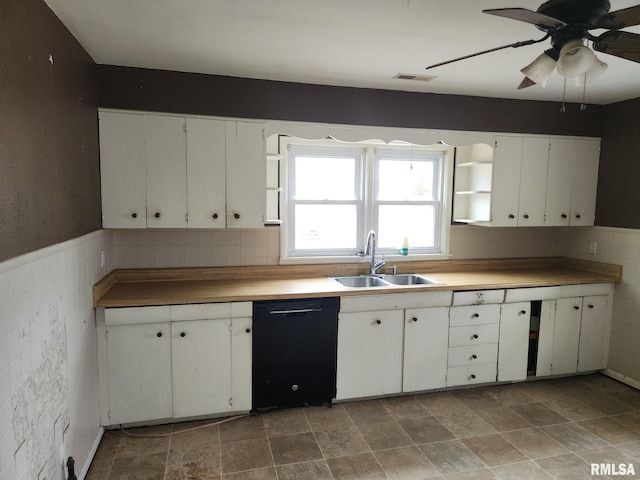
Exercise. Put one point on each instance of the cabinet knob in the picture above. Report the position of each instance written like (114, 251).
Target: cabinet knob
(474, 356)
(157, 215)
(294, 388)
(378, 322)
(414, 319)
(215, 216)
(526, 215)
(475, 335)
(576, 307)
(236, 216)
(472, 376)
(248, 330)
(590, 306)
(564, 215)
(476, 315)
(182, 334)
(159, 334)
(134, 215)
(578, 215)
(511, 215)
(523, 312)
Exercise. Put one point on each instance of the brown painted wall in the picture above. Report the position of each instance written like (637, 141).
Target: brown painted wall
(188, 93)
(619, 175)
(49, 153)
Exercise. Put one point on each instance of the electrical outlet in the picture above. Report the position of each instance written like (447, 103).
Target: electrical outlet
(103, 259)
(593, 248)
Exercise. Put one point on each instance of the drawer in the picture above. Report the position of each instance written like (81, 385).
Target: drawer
(474, 315)
(136, 315)
(473, 355)
(470, 374)
(479, 297)
(473, 335)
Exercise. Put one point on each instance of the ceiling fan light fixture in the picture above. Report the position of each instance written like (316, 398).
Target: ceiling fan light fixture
(594, 72)
(575, 59)
(540, 69)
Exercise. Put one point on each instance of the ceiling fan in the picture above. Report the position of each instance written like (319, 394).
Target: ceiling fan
(568, 23)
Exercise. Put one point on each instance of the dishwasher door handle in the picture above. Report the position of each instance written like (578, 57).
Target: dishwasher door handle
(297, 311)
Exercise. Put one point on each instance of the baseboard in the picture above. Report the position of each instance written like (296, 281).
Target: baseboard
(622, 378)
(92, 453)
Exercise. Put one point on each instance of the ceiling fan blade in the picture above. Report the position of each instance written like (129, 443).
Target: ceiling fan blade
(511, 45)
(621, 44)
(627, 17)
(528, 16)
(526, 83)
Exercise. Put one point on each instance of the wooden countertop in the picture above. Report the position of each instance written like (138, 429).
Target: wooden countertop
(144, 287)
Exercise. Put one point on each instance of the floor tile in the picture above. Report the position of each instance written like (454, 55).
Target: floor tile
(629, 397)
(573, 436)
(323, 418)
(341, 442)
(466, 424)
(402, 408)
(370, 411)
(140, 467)
(632, 449)
(534, 443)
(426, 429)
(574, 410)
(246, 428)
(200, 463)
(604, 384)
(538, 414)
(286, 422)
(451, 456)
(407, 463)
(543, 391)
(316, 470)
(607, 404)
(494, 450)
(502, 419)
(202, 437)
(482, 474)
(382, 436)
(521, 471)
(510, 395)
(609, 429)
(442, 403)
(245, 455)
(629, 420)
(294, 448)
(268, 473)
(609, 455)
(135, 443)
(566, 467)
(475, 399)
(356, 467)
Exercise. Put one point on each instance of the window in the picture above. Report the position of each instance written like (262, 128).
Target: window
(337, 192)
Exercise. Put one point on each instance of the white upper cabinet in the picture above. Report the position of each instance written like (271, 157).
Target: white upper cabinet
(533, 181)
(584, 183)
(163, 171)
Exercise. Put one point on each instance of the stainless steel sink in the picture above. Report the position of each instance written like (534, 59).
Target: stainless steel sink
(409, 279)
(361, 281)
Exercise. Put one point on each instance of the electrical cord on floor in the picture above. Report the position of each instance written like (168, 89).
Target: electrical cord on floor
(170, 434)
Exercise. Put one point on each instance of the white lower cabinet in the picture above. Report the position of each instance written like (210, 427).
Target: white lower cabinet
(559, 336)
(593, 350)
(514, 341)
(197, 362)
(426, 332)
(369, 354)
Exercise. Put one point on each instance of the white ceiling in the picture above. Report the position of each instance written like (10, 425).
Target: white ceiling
(358, 43)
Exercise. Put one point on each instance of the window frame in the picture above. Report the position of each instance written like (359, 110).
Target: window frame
(369, 194)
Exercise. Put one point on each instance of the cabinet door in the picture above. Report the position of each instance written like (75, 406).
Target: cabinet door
(545, 338)
(533, 182)
(560, 176)
(206, 190)
(369, 354)
(139, 372)
(584, 184)
(513, 346)
(505, 190)
(201, 363)
(122, 170)
(594, 334)
(426, 336)
(166, 171)
(566, 336)
(241, 364)
(246, 175)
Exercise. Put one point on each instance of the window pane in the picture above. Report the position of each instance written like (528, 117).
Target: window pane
(416, 222)
(325, 178)
(405, 180)
(321, 227)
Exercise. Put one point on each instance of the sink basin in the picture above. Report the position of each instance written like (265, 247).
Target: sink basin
(409, 279)
(361, 281)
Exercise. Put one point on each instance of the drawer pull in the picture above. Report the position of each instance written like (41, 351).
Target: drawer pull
(476, 315)
(472, 377)
(590, 306)
(576, 307)
(378, 322)
(159, 334)
(474, 336)
(523, 312)
(414, 319)
(182, 334)
(248, 330)
(474, 356)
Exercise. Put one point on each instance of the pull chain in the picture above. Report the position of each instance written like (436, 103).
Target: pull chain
(583, 105)
(563, 108)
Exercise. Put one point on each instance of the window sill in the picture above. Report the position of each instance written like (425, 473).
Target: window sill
(389, 259)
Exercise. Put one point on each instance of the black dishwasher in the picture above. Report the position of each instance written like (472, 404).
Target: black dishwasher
(294, 352)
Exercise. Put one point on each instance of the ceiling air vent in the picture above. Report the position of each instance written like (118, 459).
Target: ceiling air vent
(416, 78)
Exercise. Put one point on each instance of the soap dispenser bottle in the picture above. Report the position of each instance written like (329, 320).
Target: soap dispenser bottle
(405, 247)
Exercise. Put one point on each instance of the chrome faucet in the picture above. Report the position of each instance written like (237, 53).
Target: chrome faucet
(370, 249)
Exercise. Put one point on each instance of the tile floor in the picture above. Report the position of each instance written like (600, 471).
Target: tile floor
(535, 430)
